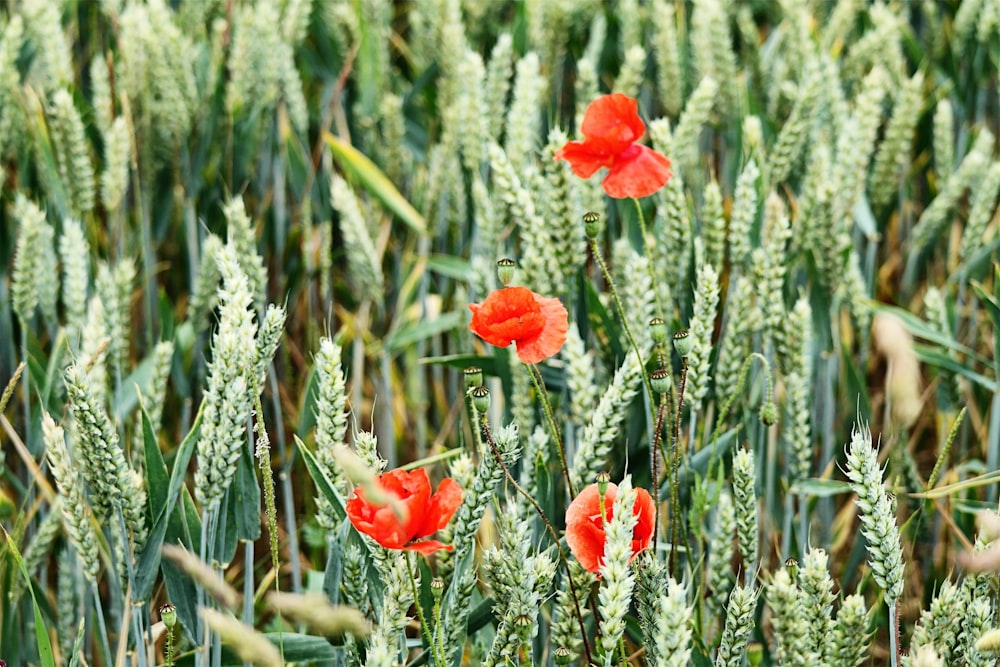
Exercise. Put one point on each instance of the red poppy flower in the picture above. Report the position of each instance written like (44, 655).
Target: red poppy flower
(585, 529)
(423, 513)
(517, 315)
(611, 128)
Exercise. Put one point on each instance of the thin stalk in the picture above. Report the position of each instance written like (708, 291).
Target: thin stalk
(674, 472)
(248, 586)
(803, 521)
(102, 625)
(263, 451)
(893, 633)
(168, 652)
(536, 379)
(649, 253)
(137, 624)
(548, 526)
(286, 484)
(424, 628)
(203, 632)
(26, 391)
(621, 313)
(438, 646)
(654, 456)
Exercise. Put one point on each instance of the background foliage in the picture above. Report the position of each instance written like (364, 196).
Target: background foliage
(370, 160)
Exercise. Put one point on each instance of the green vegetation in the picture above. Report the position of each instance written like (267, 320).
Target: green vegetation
(239, 241)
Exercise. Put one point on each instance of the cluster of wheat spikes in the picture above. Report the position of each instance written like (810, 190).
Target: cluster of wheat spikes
(238, 241)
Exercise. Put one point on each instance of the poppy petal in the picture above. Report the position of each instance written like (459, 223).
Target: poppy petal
(507, 315)
(427, 547)
(551, 338)
(583, 159)
(645, 510)
(441, 507)
(585, 535)
(637, 172)
(611, 123)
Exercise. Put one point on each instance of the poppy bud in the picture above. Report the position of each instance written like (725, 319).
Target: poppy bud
(168, 614)
(473, 377)
(480, 398)
(437, 587)
(563, 656)
(660, 380)
(768, 413)
(505, 270)
(592, 224)
(682, 342)
(792, 566)
(522, 621)
(603, 479)
(658, 330)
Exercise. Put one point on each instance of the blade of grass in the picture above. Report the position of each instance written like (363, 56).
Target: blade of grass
(42, 642)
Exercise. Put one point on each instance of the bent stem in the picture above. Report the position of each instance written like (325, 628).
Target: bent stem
(536, 379)
(674, 472)
(893, 632)
(654, 456)
(621, 314)
(649, 251)
(485, 423)
(424, 628)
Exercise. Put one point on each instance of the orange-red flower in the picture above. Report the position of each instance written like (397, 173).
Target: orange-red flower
(611, 128)
(585, 529)
(517, 315)
(422, 513)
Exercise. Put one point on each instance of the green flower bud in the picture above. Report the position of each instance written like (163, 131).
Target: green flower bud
(658, 330)
(603, 479)
(682, 342)
(505, 270)
(480, 398)
(473, 377)
(168, 614)
(768, 413)
(437, 587)
(592, 224)
(792, 566)
(563, 656)
(660, 379)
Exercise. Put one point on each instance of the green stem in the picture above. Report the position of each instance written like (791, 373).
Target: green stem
(548, 526)
(654, 456)
(674, 475)
(424, 628)
(169, 651)
(102, 624)
(649, 253)
(536, 379)
(621, 313)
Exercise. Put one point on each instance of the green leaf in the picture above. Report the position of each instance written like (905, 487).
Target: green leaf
(246, 498)
(355, 163)
(409, 333)
(42, 642)
(491, 365)
(127, 397)
(820, 488)
(170, 525)
(925, 331)
(158, 483)
(449, 266)
(934, 357)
